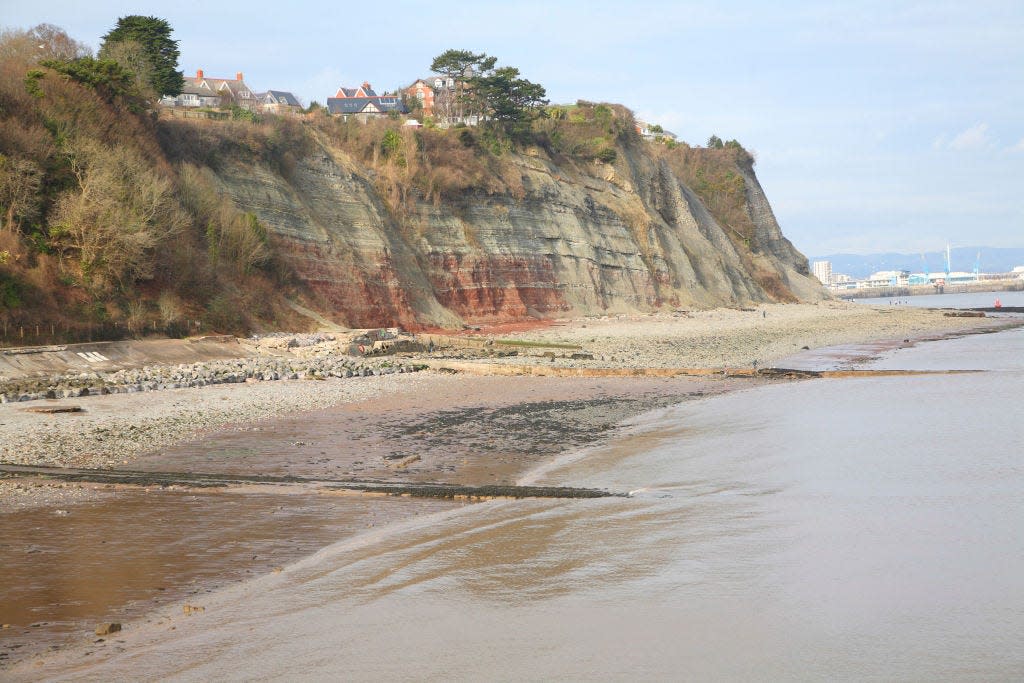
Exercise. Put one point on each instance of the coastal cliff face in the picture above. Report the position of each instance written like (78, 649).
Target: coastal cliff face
(114, 220)
(572, 239)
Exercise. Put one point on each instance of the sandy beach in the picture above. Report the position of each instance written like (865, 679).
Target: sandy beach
(419, 427)
(731, 338)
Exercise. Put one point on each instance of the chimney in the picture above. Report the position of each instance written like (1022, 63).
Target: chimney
(199, 74)
(238, 76)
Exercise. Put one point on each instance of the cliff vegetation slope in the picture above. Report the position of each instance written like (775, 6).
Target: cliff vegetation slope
(116, 221)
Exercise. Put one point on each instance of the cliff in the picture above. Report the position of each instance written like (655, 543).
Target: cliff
(549, 236)
(115, 222)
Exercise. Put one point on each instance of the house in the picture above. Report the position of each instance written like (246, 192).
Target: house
(192, 95)
(204, 91)
(445, 82)
(654, 132)
(363, 103)
(278, 102)
(424, 92)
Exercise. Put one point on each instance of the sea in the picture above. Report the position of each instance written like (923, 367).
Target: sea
(862, 528)
(951, 300)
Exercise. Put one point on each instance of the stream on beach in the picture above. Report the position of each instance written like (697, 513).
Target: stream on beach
(840, 528)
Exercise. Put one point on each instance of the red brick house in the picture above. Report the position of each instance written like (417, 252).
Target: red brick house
(424, 92)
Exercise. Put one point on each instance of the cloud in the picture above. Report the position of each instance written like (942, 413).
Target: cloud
(974, 138)
(1019, 147)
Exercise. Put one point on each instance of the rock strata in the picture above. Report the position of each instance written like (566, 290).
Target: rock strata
(577, 240)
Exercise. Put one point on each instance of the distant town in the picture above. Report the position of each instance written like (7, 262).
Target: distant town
(904, 279)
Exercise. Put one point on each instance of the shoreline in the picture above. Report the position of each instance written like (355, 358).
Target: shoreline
(486, 425)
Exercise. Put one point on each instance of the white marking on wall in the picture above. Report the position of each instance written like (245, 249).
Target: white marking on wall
(92, 356)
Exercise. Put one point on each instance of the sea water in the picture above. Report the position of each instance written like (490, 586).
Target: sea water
(851, 529)
(950, 300)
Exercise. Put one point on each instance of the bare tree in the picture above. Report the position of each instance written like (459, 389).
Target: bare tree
(44, 41)
(112, 222)
(20, 182)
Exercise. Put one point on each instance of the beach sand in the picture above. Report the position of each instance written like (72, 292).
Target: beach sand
(421, 427)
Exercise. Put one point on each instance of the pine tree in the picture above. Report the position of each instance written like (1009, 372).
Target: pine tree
(153, 35)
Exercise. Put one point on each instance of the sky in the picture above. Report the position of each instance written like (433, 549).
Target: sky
(877, 126)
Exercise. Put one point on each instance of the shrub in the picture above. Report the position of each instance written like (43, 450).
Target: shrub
(114, 219)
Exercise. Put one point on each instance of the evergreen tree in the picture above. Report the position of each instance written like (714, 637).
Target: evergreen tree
(506, 97)
(153, 35)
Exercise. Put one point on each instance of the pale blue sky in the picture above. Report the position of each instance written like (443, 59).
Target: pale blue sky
(878, 126)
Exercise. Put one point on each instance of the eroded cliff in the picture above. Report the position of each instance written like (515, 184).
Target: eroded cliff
(567, 238)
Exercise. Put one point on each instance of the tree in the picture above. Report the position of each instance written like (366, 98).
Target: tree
(715, 142)
(20, 182)
(505, 97)
(153, 35)
(114, 218)
(483, 90)
(39, 43)
(458, 67)
(105, 76)
(131, 56)
(461, 64)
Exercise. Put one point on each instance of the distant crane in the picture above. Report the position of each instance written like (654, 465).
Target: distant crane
(927, 277)
(948, 265)
(977, 267)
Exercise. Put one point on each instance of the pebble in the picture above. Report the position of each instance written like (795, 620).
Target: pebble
(165, 377)
(134, 422)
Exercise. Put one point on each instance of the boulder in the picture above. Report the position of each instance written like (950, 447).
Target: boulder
(108, 628)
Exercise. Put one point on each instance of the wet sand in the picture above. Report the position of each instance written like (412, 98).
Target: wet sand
(457, 429)
(109, 554)
(117, 559)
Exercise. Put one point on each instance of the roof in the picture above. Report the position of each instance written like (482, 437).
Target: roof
(196, 86)
(213, 86)
(235, 86)
(432, 81)
(193, 88)
(282, 97)
(354, 92)
(355, 105)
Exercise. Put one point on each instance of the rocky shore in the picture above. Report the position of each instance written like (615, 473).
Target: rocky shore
(114, 428)
(327, 364)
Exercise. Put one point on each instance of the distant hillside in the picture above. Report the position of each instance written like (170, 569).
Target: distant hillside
(993, 260)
